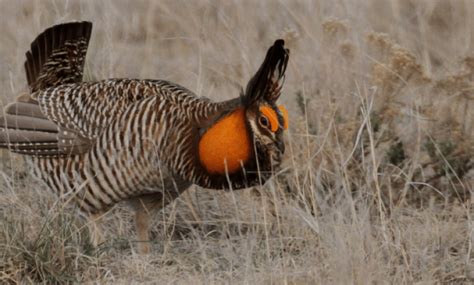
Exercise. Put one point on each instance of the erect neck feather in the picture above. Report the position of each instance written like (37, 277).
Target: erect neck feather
(226, 145)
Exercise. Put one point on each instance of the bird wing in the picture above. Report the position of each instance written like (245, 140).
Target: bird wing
(56, 58)
(67, 119)
(89, 107)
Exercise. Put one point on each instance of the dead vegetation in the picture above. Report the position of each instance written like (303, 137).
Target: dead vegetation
(377, 181)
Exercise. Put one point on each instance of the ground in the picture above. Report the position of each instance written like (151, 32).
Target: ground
(376, 182)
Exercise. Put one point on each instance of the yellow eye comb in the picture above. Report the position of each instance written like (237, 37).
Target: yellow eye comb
(284, 113)
(273, 118)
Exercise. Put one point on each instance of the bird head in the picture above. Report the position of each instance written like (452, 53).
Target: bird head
(247, 142)
(266, 120)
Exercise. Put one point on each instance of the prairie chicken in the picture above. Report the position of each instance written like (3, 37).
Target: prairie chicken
(142, 141)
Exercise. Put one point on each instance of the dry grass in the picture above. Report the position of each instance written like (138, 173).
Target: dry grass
(377, 181)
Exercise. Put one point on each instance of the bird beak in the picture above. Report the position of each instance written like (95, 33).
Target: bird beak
(280, 143)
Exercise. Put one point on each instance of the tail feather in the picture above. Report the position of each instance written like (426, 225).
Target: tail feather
(57, 55)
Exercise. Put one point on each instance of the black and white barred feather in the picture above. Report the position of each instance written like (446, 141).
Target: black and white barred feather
(98, 143)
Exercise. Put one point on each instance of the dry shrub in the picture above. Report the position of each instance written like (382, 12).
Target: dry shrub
(378, 171)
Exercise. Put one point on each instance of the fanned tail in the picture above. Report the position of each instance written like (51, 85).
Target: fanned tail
(56, 57)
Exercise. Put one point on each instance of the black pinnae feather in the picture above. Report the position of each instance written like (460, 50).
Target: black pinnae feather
(266, 83)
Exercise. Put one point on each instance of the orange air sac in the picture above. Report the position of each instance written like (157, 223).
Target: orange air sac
(226, 145)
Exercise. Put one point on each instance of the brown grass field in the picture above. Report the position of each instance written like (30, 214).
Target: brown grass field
(376, 183)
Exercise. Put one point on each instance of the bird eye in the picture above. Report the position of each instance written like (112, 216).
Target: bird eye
(264, 121)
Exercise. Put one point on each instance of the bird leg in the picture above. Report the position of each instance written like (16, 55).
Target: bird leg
(145, 206)
(96, 235)
(142, 224)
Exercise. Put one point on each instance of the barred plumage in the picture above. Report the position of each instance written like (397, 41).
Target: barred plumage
(144, 141)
